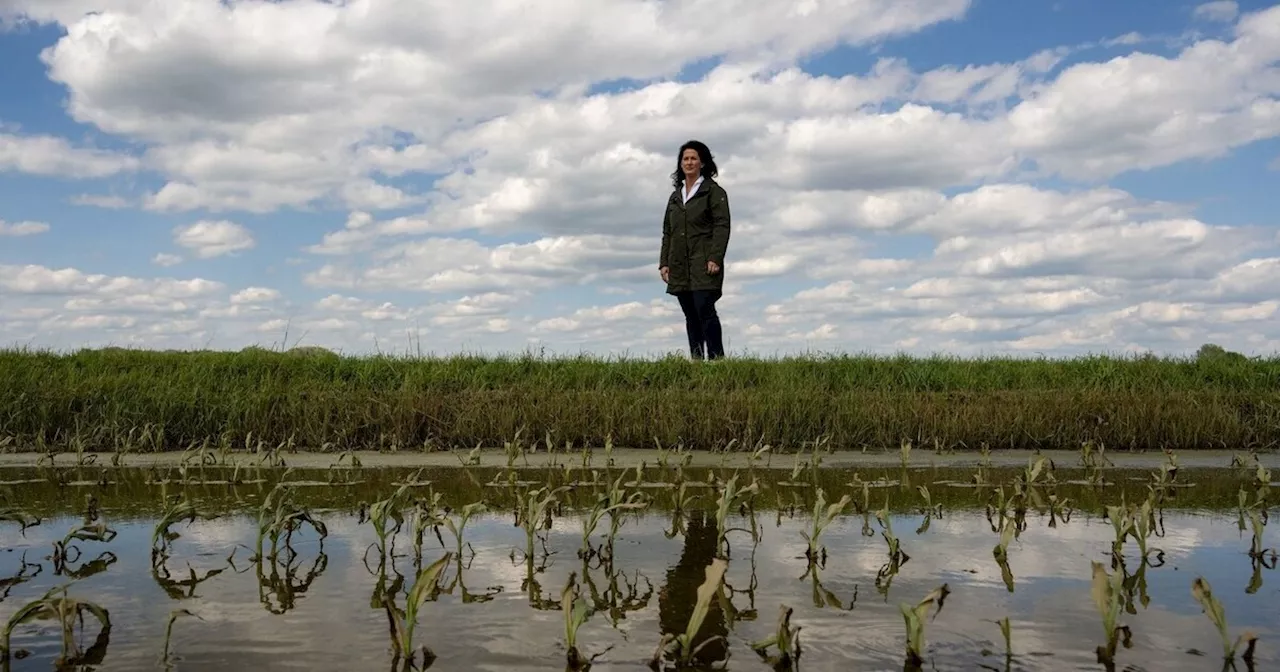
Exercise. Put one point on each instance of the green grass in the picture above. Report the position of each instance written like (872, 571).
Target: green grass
(116, 399)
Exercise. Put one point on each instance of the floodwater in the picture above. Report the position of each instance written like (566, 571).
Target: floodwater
(316, 606)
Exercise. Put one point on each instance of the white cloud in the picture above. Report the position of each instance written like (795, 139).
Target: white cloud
(255, 295)
(55, 157)
(102, 201)
(488, 200)
(35, 279)
(16, 229)
(1219, 10)
(208, 238)
(361, 231)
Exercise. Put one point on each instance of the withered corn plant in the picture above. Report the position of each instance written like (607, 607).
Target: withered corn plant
(577, 610)
(682, 647)
(1107, 591)
(785, 639)
(1203, 594)
(914, 619)
(1001, 552)
(279, 516)
(403, 623)
(732, 498)
(823, 516)
(162, 536)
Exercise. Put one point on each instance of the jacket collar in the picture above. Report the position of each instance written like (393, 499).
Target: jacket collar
(704, 185)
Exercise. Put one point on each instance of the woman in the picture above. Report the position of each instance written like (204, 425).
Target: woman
(695, 235)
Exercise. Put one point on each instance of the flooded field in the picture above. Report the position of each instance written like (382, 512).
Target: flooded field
(206, 566)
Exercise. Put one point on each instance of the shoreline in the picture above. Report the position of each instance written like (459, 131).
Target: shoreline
(629, 458)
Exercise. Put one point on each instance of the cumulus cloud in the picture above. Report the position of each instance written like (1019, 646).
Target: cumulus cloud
(16, 229)
(509, 192)
(1219, 10)
(55, 157)
(255, 295)
(213, 238)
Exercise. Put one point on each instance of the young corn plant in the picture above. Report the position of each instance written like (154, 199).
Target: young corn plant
(607, 504)
(162, 537)
(823, 516)
(1144, 524)
(785, 639)
(279, 516)
(63, 549)
(682, 646)
(1122, 525)
(896, 556)
(1256, 550)
(1059, 509)
(1001, 552)
(424, 588)
(387, 517)
(533, 510)
(1006, 631)
(1035, 472)
(577, 611)
(619, 501)
(683, 501)
(930, 510)
(459, 528)
(1168, 473)
(1243, 507)
(732, 497)
(65, 611)
(1203, 594)
(1107, 591)
(914, 619)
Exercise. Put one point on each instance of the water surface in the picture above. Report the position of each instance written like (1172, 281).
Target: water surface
(316, 606)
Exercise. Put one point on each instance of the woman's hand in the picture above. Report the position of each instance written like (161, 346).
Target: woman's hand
(712, 268)
(665, 272)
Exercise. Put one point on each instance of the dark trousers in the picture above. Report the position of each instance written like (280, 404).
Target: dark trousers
(702, 323)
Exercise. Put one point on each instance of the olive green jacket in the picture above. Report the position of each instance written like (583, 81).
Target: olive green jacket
(694, 233)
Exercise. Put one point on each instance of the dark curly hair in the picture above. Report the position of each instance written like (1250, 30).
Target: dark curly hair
(708, 162)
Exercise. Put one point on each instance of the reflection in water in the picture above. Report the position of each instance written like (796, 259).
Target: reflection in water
(66, 611)
(26, 572)
(677, 598)
(64, 567)
(475, 617)
(279, 585)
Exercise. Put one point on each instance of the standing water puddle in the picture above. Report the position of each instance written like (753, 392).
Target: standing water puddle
(318, 605)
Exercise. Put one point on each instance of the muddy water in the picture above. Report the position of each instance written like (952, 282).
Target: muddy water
(316, 607)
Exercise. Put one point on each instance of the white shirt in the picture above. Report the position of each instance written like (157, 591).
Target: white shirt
(690, 192)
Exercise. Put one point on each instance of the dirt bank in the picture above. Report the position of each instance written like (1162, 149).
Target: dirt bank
(626, 458)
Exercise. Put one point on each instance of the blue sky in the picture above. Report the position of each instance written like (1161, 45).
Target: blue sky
(968, 177)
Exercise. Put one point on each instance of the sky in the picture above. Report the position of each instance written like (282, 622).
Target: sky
(1018, 178)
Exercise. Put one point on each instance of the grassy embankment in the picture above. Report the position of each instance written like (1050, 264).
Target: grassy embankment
(115, 399)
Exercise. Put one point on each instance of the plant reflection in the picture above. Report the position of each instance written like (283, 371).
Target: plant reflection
(62, 567)
(823, 597)
(8, 583)
(185, 588)
(726, 593)
(67, 611)
(467, 596)
(279, 585)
